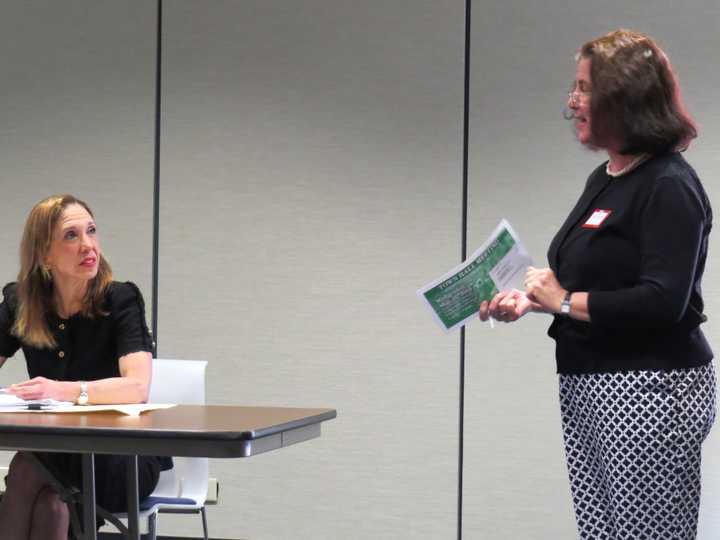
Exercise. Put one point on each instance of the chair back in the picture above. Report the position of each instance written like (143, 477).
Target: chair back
(178, 381)
(181, 382)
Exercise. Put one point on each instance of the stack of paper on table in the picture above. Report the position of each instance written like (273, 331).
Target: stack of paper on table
(12, 403)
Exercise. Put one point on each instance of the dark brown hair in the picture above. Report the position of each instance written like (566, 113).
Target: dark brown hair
(35, 285)
(635, 101)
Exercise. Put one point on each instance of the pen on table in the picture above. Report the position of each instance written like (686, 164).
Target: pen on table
(36, 407)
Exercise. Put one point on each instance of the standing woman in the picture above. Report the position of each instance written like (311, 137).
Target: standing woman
(637, 385)
(85, 340)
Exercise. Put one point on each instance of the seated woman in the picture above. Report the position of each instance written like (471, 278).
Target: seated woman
(85, 340)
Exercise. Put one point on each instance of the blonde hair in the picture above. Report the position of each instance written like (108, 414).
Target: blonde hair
(35, 286)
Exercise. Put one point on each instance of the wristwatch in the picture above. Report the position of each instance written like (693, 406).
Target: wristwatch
(565, 305)
(82, 399)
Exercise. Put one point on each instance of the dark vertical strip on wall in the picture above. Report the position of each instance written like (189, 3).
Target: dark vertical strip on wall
(463, 256)
(156, 189)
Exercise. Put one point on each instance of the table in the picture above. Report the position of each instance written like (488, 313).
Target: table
(213, 431)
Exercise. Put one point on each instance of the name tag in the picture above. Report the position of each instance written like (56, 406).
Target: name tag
(596, 219)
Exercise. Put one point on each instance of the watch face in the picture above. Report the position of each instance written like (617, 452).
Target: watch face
(82, 399)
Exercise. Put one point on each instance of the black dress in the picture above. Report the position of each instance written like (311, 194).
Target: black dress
(88, 349)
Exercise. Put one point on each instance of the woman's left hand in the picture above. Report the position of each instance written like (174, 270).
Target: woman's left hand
(542, 286)
(36, 388)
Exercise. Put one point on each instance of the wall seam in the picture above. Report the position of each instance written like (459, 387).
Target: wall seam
(156, 179)
(463, 256)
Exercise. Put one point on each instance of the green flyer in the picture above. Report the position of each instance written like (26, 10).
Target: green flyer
(498, 265)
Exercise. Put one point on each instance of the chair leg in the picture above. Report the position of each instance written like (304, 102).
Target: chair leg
(204, 521)
(113, 520)
(76, 530)
(152, 526)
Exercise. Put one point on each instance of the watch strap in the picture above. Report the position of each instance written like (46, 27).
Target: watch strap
(565, 305)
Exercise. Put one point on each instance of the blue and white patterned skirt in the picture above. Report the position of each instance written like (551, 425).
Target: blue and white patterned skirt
(632, 442)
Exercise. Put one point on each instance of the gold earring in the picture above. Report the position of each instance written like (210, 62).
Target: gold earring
(45, 271)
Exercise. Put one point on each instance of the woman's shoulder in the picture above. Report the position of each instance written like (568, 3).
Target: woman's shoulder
(120, 294)
(9, 294)
(670, 165)
(670, 180)
(665, 172)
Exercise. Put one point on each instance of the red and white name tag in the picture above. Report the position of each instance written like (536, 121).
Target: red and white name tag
(596, 218)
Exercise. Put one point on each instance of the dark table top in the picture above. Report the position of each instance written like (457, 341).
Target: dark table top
(183, 430)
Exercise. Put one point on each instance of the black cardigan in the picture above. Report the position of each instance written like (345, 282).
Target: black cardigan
(641, 265)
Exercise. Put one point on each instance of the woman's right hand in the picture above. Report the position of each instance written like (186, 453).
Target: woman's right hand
(507, 306)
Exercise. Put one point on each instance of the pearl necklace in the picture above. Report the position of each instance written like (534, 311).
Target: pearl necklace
(629, 167)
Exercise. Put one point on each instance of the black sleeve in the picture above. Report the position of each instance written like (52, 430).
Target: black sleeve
(673, 223)
(128, 313)
(9, 344)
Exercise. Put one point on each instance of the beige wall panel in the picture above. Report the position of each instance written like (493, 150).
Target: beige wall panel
(526, 166)
(77, 115)
(311, 182)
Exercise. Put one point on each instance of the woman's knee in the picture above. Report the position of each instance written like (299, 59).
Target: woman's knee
(24, 473)
(50, 507)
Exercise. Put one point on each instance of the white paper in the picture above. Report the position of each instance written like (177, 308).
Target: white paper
(129, 409)
(8, 400)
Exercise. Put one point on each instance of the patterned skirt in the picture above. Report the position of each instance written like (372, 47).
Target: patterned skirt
(632, 443)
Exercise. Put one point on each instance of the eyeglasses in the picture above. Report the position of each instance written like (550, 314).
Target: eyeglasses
(576, 96)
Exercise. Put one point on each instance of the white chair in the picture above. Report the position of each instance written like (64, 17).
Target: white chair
(182, 489)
